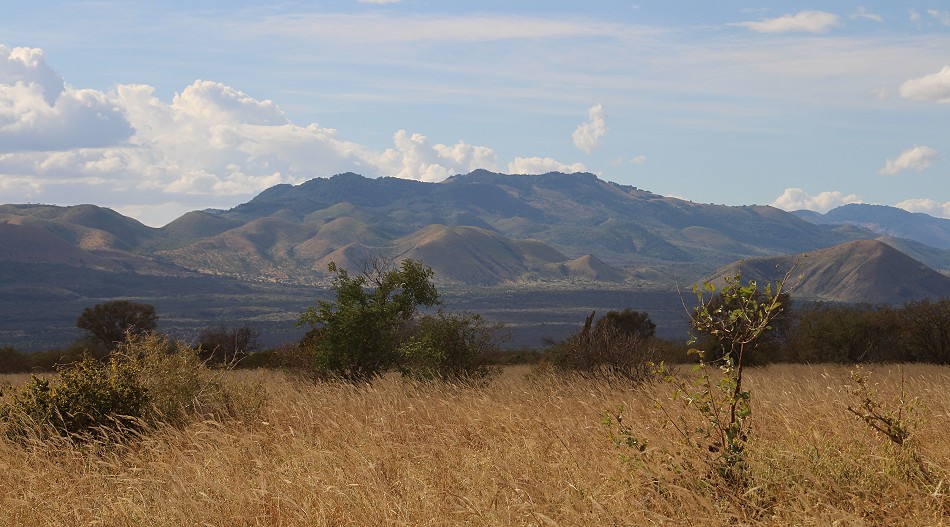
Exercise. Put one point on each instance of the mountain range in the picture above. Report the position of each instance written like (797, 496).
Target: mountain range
(486, 229)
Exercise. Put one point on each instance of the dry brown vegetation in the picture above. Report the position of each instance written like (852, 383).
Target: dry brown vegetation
(522, 449)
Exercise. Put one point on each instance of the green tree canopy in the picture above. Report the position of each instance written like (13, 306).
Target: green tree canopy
(359, 332)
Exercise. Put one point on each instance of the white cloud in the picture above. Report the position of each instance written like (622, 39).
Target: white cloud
(863, 13)
(28, 66)
(587, 135)
(940, 16)
(927, 206)
(211, 141)
(639, 160)
(933, 87)
(798, 199)
(801, 22)
(39, 112)
(414, 158)
(542, 165)
(916, 157)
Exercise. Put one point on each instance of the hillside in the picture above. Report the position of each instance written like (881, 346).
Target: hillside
(481, 228)
(472, 228)
(887, 221)
(862, 271)
(538, 252)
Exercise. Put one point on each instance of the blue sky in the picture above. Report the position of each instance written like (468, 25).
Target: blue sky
(158, 108)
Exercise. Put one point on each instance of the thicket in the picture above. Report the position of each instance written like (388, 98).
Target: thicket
(146, 380)
(620, 344)
(373, 325)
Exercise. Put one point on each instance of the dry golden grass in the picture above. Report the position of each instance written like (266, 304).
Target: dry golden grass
(516, 451)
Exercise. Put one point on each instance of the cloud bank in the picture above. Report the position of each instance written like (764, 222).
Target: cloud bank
(927, 206)
(128, 149)
(798, 199)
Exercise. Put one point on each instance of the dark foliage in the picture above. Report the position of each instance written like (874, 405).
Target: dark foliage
(110, 322)
(227, 345)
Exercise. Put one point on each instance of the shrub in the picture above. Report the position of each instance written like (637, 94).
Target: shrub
(358, 334)
(12, 361)
(450, 347)
(147, 380)
(737, 318)
(604, 350)
(85, 398)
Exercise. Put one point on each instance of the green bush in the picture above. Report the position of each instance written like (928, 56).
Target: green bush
(84, 398)
(148, 380)
(357, 335)
(451, 347)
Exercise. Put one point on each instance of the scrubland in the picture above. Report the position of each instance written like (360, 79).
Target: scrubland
(526, 447)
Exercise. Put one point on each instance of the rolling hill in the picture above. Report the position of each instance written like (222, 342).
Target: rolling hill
(863, 271)
(537, 251)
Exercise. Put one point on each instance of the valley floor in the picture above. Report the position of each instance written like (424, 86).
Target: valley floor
(526, 448)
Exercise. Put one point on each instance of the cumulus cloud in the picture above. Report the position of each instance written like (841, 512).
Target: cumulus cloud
(801, 22)
(917, 158)
(414, 158)
(798, 199)
(933, 87)
(542, 165)
(927, 206)
(587, 135)
(154, 158)
(38, 111)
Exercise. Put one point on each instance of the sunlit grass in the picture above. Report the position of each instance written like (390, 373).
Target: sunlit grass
(523, 449)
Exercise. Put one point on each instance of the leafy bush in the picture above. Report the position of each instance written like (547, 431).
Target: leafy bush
(737, 318)
(85, 398)
(450, 347)
(631, 322)
(148, 380)
(359, 333)
(605, 350)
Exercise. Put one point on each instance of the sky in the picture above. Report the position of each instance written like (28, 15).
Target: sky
(158, 108)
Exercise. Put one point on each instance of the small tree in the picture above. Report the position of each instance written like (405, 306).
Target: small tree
(737, 318)
(110, 322)
(629, 322)
(361, 328)
(224, 345)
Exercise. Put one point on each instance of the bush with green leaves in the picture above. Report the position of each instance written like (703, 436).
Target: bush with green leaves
(359, 332)
(737, 318)
(452, 347)
(85, 398)
(147, 380)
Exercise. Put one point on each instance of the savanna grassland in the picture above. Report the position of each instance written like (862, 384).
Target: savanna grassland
(526, 447)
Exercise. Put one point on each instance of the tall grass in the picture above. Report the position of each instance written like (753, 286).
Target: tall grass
(519, 450)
